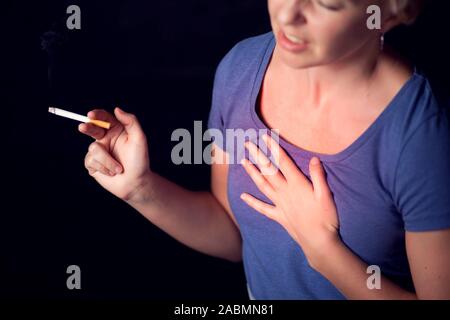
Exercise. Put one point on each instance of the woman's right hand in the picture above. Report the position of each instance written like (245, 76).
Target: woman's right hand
(118, 158)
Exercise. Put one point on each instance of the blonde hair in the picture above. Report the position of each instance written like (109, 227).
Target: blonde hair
(407, 10)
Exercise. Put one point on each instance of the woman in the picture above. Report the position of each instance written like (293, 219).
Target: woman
(363, 159)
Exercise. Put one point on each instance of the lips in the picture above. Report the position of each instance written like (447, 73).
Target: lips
(292, 42)
(294, 39)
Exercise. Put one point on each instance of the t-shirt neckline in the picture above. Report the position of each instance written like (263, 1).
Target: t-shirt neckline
(293, 149)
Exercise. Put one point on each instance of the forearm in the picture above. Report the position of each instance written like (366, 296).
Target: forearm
(348, 273)
(196, 219)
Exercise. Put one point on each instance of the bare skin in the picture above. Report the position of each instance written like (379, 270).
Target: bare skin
(304, 86)
(322, 99)
(200, 220)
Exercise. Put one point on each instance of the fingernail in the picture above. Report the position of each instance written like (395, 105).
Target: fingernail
(315, 161)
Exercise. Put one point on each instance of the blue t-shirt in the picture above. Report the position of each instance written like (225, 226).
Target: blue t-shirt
(394, 177)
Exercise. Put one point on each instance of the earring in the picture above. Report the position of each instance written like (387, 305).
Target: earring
(382, 41)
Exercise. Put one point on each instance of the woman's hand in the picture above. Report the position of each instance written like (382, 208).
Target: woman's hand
(306, 210)
(118, 158)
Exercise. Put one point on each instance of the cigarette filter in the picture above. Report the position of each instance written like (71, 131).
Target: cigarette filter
(79, 117)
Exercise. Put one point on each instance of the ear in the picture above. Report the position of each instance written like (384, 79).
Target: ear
(390, 23)
(390, 19)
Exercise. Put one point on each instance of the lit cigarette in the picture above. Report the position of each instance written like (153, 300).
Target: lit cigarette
(79, 117)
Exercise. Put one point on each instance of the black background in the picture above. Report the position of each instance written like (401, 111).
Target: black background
(153, 58)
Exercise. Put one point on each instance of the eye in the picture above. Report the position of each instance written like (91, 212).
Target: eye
(330, 6)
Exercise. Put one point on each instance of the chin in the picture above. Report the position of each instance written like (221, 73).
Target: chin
(301, 61)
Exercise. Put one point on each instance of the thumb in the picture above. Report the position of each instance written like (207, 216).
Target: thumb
(129, 121)
(318, 178)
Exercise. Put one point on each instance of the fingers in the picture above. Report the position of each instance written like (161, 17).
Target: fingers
(98, 159)
(101, 114)
(260, 181)
(265, 165)
(94, 131)
(91, 130)
(130, 122)
(318, 178)
(95, 166)
(288, 168)
(260, 206)
(284, 162)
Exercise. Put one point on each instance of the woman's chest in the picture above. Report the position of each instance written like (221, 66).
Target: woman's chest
(364, 208)
(317, 132)
(328, 130)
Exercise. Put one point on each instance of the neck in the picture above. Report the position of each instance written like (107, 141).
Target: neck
(341, 78)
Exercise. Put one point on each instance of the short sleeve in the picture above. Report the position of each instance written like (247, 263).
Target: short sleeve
(422, 178)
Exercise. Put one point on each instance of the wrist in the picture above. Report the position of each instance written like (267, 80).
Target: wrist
(142, 191)
(326, 255)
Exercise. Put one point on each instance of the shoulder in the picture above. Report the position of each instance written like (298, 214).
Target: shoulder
(245, 56)
(422, 126)
(417, 105)
(247, 49)
(417, 132)
(422, 157)
(412, 95)
(236, 75)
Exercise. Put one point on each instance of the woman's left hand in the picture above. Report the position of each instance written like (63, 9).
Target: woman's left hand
(306, 210)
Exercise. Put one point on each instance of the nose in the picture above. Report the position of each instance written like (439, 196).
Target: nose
(291, 12)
